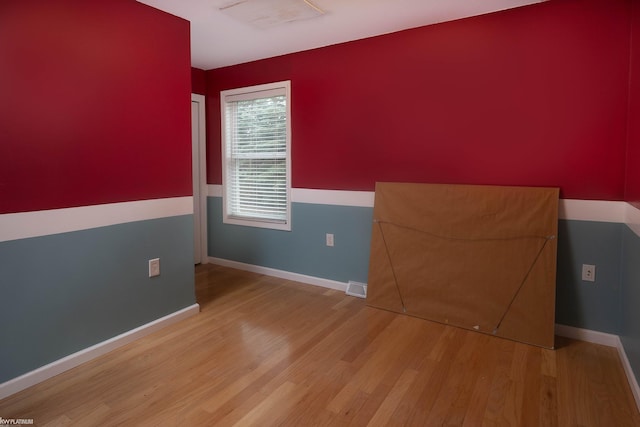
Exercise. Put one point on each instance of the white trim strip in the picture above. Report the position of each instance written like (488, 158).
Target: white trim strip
(632, 218)
(59, 366)
(24, 225)
(592, 210)
(333, 197)
(319, 197)
(214, 190)
(296, 277)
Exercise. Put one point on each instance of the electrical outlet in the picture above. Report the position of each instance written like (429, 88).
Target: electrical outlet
(329, 239)
(588, 273)
(154, 267)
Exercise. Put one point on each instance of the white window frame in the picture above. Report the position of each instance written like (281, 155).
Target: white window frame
(245, 93)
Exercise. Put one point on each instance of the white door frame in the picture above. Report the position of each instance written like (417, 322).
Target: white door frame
(199, 172)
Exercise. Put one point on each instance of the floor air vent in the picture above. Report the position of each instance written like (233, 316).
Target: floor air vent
(356, 289)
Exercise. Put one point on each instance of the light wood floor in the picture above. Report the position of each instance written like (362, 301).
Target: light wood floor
(266, 351)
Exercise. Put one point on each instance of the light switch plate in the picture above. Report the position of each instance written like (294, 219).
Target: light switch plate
(154, 267)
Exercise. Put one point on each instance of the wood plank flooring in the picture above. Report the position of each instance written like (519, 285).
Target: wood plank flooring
(267, 351)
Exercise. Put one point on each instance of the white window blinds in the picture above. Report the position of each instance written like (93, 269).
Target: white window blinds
(256, 155)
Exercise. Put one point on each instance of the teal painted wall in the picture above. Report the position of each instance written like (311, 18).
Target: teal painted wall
(589, 305)
(302, 250)
(89, 286)
(630, 299)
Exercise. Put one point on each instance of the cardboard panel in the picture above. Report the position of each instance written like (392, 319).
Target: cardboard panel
(477, 257)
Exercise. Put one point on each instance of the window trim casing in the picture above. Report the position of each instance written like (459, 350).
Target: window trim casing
(246, 93)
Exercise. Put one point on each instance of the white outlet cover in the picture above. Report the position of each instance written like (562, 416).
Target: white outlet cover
(588, 272)
(329, 239)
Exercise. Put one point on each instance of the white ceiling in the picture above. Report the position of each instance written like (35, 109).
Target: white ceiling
(218, 40)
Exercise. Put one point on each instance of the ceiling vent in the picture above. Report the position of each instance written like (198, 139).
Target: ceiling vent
(270, 13)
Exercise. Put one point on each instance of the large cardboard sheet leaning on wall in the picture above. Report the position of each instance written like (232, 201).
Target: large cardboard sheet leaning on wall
(478, 257)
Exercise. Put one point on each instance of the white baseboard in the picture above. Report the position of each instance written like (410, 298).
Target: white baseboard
(587, 335)
(310, 280)
(633, 383)
(59, 366)
(610, 340)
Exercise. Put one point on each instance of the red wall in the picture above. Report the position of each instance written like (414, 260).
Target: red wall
(633, 149)
(530, 96)
(94, 104)
(198, 81)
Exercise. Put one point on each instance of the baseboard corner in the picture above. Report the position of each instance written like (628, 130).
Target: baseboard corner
(628, 370)
(609, 340)
(587, 335)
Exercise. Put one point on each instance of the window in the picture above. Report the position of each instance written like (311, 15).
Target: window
(256, 153)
